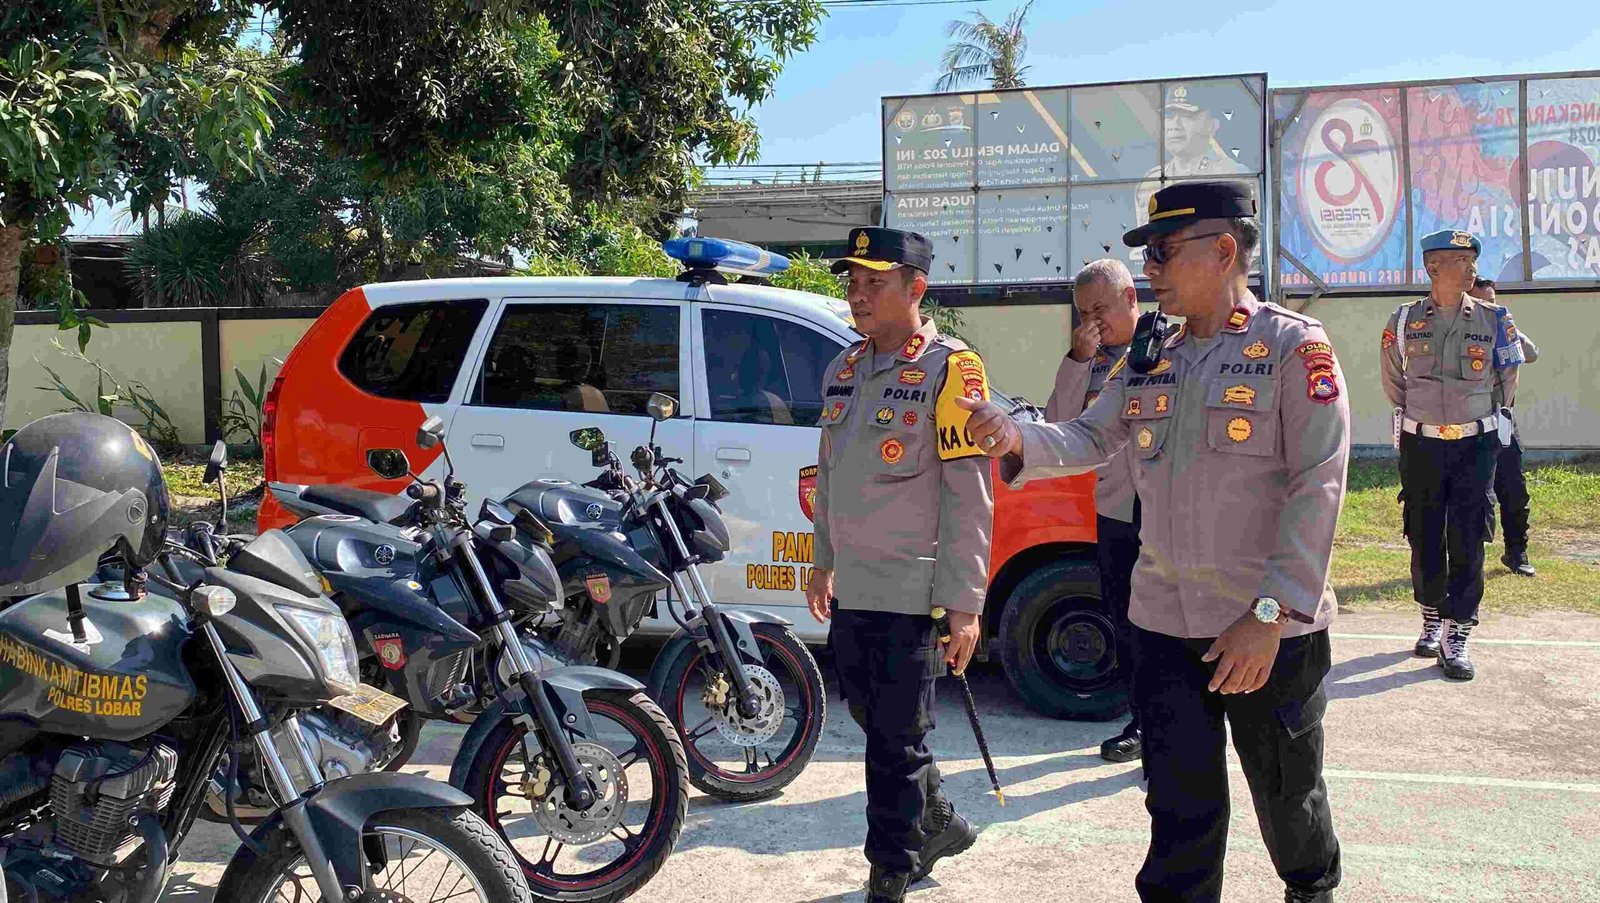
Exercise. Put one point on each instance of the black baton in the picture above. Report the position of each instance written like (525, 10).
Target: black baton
(941, 622)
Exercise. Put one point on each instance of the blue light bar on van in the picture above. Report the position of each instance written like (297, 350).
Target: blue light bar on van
(725, 255)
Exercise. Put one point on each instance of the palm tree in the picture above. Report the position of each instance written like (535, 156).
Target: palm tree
(982, 49)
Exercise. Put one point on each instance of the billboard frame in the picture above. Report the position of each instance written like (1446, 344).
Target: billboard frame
(1001, 290)
(1306, 295)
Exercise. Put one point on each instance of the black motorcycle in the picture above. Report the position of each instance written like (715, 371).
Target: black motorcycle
(574, 765)
(743, 690)
(118, 727)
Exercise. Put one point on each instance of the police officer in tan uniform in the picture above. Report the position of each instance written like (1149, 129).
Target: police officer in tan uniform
(1108, 310)
(903, 512)
(1449, 365)
(1239, 436)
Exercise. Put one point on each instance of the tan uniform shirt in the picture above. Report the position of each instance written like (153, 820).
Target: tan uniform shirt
(1078, 384)
(1239, 447)
(1450, 372)
(905, 499)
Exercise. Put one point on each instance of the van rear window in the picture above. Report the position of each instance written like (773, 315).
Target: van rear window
(412, 351)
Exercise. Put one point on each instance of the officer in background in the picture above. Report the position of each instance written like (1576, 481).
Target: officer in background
(1239, 435)
(903, 513)
(1108, 310)
(1510, 486)
(1449, 365)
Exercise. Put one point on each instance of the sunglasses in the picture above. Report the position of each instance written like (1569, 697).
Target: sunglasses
(1159, 254)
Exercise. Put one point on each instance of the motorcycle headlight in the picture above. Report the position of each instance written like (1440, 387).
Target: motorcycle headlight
(331, 638)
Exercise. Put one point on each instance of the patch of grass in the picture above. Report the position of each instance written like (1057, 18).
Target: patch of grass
(1374, 578)
(183, 479)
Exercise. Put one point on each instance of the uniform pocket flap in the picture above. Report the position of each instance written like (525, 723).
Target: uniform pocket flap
(1301, 716)
(1251, 394)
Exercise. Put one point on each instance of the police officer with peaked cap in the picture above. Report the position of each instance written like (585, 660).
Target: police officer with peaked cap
(1108, 310)
(1449, 365)
(903, 513)
(1510, 485)
(1240, 435)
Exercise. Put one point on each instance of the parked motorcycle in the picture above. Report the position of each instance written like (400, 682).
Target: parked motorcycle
(574, 765)
(743, 690)
(120, 706)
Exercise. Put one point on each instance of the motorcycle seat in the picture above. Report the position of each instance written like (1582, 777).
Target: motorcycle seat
(365, 503)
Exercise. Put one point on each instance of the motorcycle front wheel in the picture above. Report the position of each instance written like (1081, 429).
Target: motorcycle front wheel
(735, 758)
(634, 763)
(419, 855)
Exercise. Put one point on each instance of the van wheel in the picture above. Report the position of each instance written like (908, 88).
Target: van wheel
(1058, 644)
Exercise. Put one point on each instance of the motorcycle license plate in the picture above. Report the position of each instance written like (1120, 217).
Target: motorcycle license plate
(370, 704)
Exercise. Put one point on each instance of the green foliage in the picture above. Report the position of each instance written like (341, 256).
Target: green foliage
(603, 244)
(200, 260)
(156, 426)
(242, 420)
(810, 274)
(985, 50)
(949, 320)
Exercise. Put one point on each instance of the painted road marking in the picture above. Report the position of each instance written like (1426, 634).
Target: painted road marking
(1476, 641)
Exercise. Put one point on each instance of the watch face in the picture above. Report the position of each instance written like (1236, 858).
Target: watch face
(1267, 610)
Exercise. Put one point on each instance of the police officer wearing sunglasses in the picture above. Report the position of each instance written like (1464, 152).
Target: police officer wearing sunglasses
(1240, 434)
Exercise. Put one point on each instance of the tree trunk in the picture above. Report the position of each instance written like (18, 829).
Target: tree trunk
(10, 270)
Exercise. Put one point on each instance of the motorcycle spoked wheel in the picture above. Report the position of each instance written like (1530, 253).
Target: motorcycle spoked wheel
(557, 847)
(725, 751)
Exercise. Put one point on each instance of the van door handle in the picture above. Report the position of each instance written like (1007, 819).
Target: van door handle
(733, 454)
(488, 440)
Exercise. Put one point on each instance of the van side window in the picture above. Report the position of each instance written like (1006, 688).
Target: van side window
(412, 351)
(764, 370)
(599, 358)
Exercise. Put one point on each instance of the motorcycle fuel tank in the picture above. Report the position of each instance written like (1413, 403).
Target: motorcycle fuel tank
(124, 682)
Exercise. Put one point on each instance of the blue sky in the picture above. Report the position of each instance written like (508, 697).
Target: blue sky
(826, 103)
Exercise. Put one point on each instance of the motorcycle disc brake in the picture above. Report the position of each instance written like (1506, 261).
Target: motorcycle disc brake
(742, 731)
(610, 785)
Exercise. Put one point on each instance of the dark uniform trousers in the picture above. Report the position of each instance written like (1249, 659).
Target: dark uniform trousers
(1511, 489)
(887, 665)
(1449, 515)
(1117, 551)
(1277, 731)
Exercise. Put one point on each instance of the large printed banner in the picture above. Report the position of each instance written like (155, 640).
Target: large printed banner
(1345, 212)
(1028, 186)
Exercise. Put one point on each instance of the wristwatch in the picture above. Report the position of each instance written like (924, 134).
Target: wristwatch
(1268, 610)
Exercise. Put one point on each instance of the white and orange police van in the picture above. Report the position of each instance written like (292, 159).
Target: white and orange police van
(512, 365)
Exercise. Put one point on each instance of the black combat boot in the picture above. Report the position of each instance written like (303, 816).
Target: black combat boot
(1516, 560)
(886, 887)
(1290, 895)
(1428, 643)
(948, 835)
(1453, 651)
(1124, 747)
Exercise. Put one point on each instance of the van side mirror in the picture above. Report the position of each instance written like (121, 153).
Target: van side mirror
(217, 464)
(389, 463)
(661, 406)
(431, 432)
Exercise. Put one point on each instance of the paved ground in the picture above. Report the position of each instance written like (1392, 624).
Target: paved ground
(1460, 792)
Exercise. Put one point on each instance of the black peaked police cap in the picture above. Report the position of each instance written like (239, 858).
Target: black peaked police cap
(885, 249)
(1178, 205)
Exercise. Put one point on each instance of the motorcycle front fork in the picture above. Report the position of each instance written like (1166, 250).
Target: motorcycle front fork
(546, 729)
(292, 798)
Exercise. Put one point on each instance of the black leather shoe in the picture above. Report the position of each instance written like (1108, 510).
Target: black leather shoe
(948, 835)
(1516, 560)
(1453, 652)
(886, 887)
(1124, 747)
(1290, 895)
(1428, 641)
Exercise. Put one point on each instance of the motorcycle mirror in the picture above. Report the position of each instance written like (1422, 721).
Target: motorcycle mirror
(661, 406)
(214, 601)
(590, 438)
(217, 464)
(431, 432)
(389, 463)
(496, 513)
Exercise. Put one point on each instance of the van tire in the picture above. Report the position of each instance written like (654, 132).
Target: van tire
(1058, 645)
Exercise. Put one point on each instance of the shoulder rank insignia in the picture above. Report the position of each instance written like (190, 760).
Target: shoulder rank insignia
(1257, 350)
(1238, 318)
(1116, 368)
(913, 347)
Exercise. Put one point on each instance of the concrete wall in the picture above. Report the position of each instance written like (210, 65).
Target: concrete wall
(1558, 399)
(167, 356)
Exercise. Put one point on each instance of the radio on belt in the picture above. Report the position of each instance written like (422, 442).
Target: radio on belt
(704, 258)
